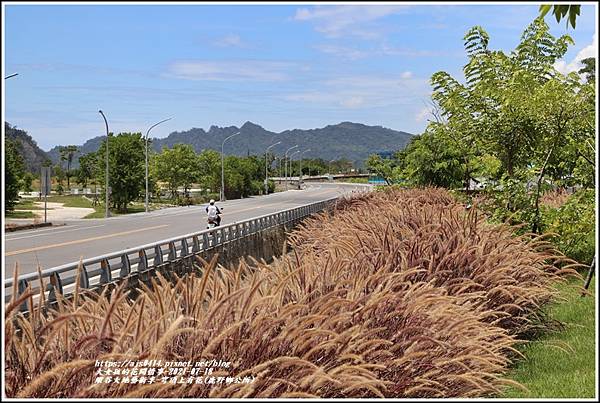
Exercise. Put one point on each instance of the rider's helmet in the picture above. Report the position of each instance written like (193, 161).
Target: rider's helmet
(212, 201)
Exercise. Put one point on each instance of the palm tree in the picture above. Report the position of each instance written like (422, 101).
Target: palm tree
(66, 154)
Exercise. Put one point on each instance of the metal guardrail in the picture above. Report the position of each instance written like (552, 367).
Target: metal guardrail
(108, 268)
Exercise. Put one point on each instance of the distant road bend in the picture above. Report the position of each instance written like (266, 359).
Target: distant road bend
(55, 246)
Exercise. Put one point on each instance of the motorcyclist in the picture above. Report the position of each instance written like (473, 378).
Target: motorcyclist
(213, 213)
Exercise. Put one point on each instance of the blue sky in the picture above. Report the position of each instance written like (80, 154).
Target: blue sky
(282, 66)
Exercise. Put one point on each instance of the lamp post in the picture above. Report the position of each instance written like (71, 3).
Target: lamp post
(285, 165)
(266, 169)
(147, 133)
(11, 75)
(106, 213)
(222, 198)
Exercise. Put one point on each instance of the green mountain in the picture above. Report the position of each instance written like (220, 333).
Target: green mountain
(353, 141)
(33, 156)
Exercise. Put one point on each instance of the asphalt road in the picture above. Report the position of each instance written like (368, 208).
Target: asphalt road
(88, 238)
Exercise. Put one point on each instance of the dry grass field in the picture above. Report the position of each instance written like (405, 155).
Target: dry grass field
(401, 293)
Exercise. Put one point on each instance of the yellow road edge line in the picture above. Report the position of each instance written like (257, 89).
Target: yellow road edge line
(18, 252)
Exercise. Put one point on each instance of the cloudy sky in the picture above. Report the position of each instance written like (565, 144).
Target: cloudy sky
(282, 66)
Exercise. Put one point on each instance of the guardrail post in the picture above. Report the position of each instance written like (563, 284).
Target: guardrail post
(172, 251)
(205, 241)
(158, 257)
(143, 263)
(185, 250)
(84, 279)
(195, 244)
(54, 285)
(22, 286)
(105, 273)
(125, 266)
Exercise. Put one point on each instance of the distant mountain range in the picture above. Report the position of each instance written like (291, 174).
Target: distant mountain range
(33, 156)
(353, 141)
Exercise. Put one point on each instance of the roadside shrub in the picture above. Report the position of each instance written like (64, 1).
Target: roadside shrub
(573, 222)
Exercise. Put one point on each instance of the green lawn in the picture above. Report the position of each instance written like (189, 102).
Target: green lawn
(353, 180)
(27, 204)
(133, 208)
(71, 201)
(561, 364)
(19, 214)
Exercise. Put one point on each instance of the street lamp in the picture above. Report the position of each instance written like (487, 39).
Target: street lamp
(223, 169)
(285, 165)
(12, 75)
(266, 170)
(106, 213)
(147, 133)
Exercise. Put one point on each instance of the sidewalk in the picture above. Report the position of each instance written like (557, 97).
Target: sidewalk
(56, 214)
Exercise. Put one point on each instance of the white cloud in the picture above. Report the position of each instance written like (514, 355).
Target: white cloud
(353, 102)
(343, 52)
(383, 49)
(407, 52)
(230, 70)
(406, 74)
(230, 40)
(335, 21)
(353, 92)
(422, 115)
(589, 51)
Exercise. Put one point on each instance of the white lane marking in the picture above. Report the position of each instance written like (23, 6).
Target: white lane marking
(38, 230)
(55, 233)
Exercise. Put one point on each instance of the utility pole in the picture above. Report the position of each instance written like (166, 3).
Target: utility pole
(106, 213)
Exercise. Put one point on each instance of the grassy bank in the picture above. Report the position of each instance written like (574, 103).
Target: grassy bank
(19, 214)
(561, 364)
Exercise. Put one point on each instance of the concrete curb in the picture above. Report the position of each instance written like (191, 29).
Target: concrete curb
(27, 226)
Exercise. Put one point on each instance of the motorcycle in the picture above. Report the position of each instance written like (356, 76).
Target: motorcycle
(213, 222)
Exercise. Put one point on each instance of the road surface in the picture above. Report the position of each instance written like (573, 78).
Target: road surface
(88, 238)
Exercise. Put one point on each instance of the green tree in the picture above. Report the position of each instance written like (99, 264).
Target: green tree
(209, 164)
(178, 167)
(26, 182)
(60, 175)
(561, 11)
(493, 108)
(589, 69)
(13, 172)
(243, 176)
(381, 167)
(88, 167)
(66, 154)
(515, 109)
(126, 168)
(432, 160)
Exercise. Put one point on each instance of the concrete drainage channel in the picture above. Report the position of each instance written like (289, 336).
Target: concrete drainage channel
(261, 237)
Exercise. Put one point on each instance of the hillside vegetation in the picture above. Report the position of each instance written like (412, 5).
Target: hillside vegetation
(353, 141)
